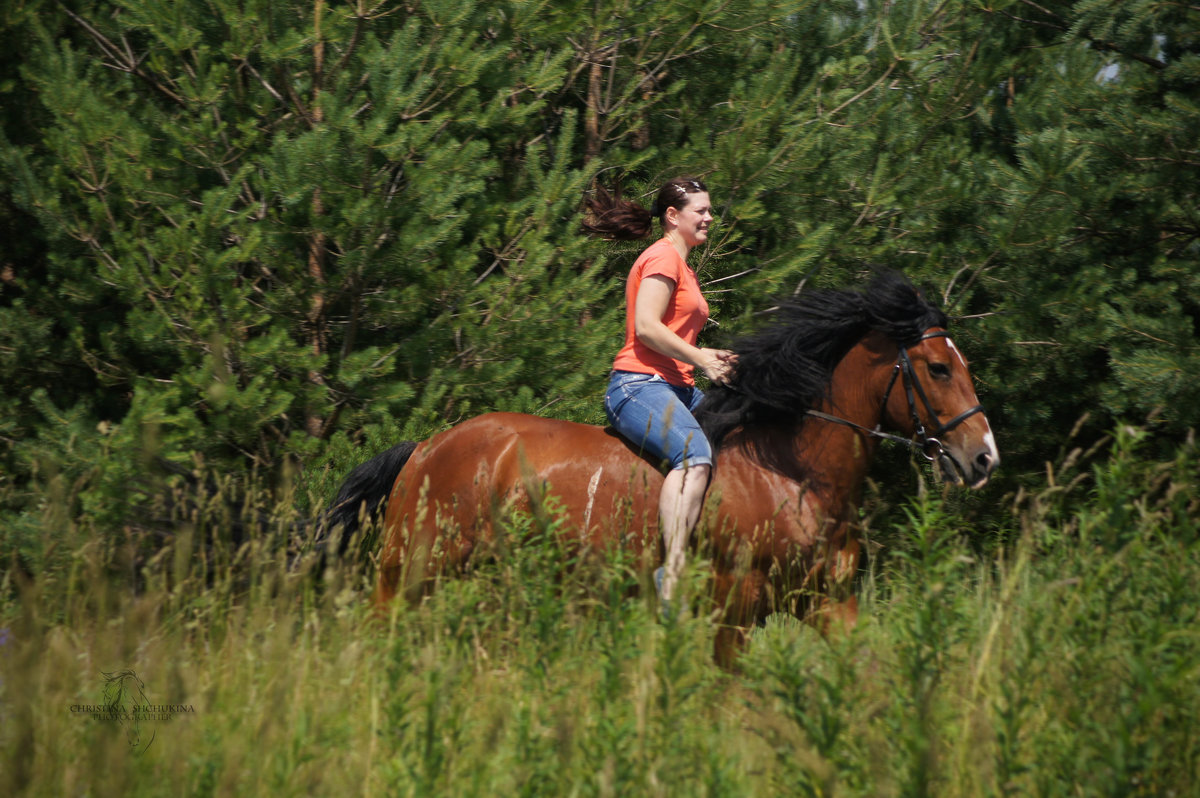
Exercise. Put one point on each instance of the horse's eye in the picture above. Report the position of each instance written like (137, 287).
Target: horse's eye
(939, 371)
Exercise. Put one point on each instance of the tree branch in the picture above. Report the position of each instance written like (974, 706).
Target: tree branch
(125, 60)
(1062, 25)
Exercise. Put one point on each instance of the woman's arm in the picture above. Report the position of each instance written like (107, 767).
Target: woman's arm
(654, 294)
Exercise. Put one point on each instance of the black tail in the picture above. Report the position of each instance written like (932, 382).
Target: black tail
(364, 494)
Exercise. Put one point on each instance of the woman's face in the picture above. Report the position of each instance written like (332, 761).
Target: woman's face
(692, 222)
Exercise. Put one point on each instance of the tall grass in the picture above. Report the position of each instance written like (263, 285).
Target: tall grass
(1059, 656)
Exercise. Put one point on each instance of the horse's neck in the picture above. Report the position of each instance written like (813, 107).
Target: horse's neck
(856, 397)
(860, 381)
(828, 458)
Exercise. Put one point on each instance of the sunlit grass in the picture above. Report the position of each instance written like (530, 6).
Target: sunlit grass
(1061, 663)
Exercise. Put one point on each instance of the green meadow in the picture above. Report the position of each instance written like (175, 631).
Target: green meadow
(1055, 653)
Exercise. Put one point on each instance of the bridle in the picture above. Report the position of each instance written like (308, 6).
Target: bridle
(927, 443)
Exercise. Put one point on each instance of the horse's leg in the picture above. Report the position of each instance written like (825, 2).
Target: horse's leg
(730, 638)
(405, 569)
(838, 609)
(741, 602)
(414, 546)
(839, 617)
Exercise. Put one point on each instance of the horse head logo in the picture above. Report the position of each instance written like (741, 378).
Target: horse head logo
(125, 700)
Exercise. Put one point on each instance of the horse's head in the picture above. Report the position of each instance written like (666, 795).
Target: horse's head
(120, 688)
(932, 397)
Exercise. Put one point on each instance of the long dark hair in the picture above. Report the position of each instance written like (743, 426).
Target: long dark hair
(608, 215)
(786, 367)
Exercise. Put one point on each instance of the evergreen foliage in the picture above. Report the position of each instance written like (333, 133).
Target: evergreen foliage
(249, 235)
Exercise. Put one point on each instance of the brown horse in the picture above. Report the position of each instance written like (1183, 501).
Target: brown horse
(815, 392)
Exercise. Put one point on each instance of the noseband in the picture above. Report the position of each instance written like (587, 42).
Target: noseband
(928, 444)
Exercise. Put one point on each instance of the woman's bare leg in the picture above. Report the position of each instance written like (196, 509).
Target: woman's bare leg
(678, 511)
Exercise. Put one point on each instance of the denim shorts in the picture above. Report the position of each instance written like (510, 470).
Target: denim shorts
(656, 416)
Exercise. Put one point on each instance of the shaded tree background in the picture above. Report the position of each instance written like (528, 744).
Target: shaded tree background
(267, 236)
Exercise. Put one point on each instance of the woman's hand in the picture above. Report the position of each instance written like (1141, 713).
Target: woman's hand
(717, 364)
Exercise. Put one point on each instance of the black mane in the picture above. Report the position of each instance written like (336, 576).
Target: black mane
(786, 367)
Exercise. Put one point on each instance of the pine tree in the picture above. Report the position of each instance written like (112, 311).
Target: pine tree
(246, 231)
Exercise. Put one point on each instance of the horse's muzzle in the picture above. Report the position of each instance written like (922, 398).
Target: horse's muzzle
(974, 473)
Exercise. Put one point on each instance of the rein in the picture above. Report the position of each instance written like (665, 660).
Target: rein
(927, 444)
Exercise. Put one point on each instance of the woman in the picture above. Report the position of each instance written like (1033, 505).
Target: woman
(652, 392)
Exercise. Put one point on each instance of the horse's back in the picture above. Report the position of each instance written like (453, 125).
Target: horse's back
(495, 461)
(497, 442)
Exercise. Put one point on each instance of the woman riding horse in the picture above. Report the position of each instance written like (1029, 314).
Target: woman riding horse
(817, 389)
(651, 391)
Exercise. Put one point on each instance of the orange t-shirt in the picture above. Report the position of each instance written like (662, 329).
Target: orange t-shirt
(686, 313)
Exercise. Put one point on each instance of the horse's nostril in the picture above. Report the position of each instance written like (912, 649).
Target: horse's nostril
(984, 461)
